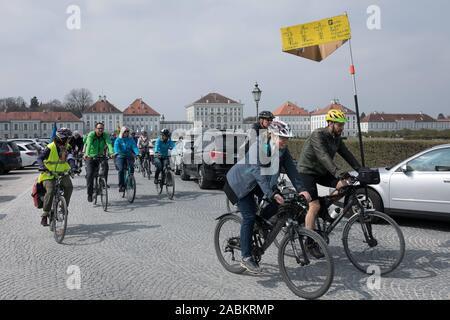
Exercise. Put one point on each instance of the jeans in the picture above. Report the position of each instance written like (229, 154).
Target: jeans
(122, 164)
(248, 209)
(158, 162)
(92, 167)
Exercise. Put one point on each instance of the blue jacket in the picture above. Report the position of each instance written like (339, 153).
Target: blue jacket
(163, 147)
(250, 171)
(125, 147)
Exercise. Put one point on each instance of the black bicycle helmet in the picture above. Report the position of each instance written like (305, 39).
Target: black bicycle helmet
(266, 115)
(63, 134)
(165, 132)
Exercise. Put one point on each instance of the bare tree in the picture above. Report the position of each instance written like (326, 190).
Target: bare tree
(13, 104)
(53, 105)
(78, 100)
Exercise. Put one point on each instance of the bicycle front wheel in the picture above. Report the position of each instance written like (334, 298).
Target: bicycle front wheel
(308, 276)
(130, 189)
(227, 243)
(103, 194)
(59, 221)
(170, 184)
(371, 245)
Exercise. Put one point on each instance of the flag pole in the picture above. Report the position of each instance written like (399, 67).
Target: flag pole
(358, 120)
(355, 95)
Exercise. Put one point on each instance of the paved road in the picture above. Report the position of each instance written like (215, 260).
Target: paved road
(156, 248)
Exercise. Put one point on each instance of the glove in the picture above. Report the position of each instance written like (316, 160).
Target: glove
(343, 175)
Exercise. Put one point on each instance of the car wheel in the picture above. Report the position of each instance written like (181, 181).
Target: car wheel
(202, 182)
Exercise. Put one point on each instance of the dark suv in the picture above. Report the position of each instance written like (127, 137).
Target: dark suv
(9, 157)
(211, 155)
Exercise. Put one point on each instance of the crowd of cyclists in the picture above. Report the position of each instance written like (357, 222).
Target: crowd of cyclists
(67, 147)
(244, 181)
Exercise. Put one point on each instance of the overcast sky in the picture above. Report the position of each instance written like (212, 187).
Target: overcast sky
(171, 53)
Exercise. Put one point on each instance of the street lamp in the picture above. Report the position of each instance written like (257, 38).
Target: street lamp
(256, 96)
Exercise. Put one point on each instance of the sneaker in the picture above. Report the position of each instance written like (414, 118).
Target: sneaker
(89, 197)
(313, 249)
(44, 221)
(251, 266)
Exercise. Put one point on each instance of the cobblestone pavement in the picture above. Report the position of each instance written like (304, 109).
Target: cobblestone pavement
(157, 248)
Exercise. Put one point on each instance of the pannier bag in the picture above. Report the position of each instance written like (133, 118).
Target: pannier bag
(369, 176)
(38, 193)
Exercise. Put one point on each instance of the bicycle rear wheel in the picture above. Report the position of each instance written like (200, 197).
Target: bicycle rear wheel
(384, 247)
(59, 220)
(130, 188)
(227, 243)
(103, 194)
(170, 184)
(305, 275)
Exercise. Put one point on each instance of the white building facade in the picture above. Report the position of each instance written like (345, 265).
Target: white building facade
(376, 122)
(139, 116)
(298, 118)
(215, 111)
(103, 111)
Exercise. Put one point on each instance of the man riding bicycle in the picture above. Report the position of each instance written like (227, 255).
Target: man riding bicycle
(55, 158)
(265, 118)
(144, 144)
(250, 177)
(97, 142)
(76, 144)
(162, 146)
(316, 163)
(125, 150)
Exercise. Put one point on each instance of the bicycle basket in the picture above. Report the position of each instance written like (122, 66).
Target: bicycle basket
(369, 176)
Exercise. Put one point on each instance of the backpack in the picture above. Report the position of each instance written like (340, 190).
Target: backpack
(38, 193)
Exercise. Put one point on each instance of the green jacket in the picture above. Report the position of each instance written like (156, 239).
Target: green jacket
(318, 154)
(95, 146)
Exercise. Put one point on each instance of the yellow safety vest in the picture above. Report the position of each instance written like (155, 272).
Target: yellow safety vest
(53, 163)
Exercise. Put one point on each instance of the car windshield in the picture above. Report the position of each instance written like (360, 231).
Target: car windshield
(14, 147)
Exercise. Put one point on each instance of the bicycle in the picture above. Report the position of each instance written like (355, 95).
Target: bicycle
(166, 178)
(366, 231)
(305, 275)
(59, 212)
(146, 166)
(100, 185)
(130, 184)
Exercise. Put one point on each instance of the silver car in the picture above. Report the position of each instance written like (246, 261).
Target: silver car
(418, 186)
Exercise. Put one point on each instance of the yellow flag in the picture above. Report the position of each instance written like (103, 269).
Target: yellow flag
(316, 40)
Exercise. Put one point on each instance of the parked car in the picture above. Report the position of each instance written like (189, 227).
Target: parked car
(418, 186)
(9, 157)
(177, 154)
(28, 153)
(209, 157)
(24, 140)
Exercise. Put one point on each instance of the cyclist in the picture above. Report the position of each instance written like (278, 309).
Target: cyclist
(316, 163)
(162, 146)
(125, 150)
(55, 157)
(144, 144)
(97, 142)
(264, 120)
(247, 179)
(76, 143)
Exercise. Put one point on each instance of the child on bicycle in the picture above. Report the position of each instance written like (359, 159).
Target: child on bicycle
(55, 158)
(257, 174)
(125, 150)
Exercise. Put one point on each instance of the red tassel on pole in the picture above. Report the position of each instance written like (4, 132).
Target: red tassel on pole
(352, 69)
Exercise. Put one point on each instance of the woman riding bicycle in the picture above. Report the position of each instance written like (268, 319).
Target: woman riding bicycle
(125, 150)
(162, 146)
(257, 174)
(144, 144)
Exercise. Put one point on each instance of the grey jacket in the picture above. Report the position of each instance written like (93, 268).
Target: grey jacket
(245, 175)
(318, 154)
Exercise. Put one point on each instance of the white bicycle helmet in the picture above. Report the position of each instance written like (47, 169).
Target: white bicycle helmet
(280, 128)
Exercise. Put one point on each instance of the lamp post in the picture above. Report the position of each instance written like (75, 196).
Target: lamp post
(256, 96)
